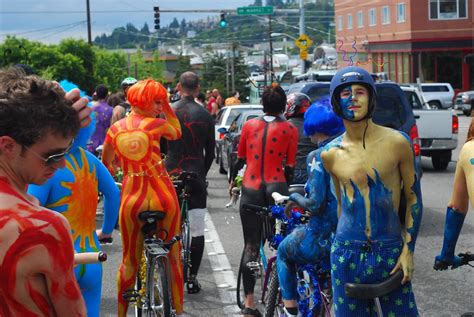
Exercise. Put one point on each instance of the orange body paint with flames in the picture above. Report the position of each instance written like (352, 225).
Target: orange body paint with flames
(135, 140)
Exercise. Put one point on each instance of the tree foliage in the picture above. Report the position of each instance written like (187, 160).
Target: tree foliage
(78, 62)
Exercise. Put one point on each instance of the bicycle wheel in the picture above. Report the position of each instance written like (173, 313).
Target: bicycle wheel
(138, 290)
(185, 249)
(258, 272)
(273, 305)
(159, 291)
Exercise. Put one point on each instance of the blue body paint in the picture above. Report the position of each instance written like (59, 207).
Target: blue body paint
(452, 228)
(73, 191)
(345, 104)
(309, 244)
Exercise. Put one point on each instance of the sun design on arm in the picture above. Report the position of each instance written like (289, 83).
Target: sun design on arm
(81, 204)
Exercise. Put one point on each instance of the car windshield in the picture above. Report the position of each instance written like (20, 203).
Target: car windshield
(413, 100)
(233, 114)
(389, 111)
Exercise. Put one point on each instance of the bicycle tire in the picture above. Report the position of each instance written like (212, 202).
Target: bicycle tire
(160, 297)
(138, 287)
(185, 250)
(272, 298)
(258, 288)
(240, 285)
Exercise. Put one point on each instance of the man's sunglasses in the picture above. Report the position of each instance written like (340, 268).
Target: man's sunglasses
(52, 159)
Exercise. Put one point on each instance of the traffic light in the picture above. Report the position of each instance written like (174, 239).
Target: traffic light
(223, 22)
(157, 17)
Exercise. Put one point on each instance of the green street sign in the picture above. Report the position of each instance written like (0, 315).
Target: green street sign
(255, 10)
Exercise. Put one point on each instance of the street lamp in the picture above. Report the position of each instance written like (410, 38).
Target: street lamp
(284, 39)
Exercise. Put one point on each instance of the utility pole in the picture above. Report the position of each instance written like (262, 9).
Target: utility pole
(232, 70)
(89, 36)
(227, 74)
(271, 46)
(303, 62)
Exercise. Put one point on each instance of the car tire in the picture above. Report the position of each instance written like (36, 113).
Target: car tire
(435, 104)
(441, 161)
(467, 113)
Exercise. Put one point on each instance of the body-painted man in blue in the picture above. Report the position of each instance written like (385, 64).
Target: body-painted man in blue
(311, 244)
(368, 165)
(73, 191)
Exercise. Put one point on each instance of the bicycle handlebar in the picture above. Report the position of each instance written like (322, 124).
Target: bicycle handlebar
(258, 209)
(90, 257)
(183, 178)
(465, 259)
(279, 198)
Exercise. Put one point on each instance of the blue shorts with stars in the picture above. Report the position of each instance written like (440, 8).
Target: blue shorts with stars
(368, 263)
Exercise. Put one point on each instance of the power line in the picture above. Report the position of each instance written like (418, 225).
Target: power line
(45, 29)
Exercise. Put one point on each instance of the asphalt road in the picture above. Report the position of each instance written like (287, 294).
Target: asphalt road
(448, 293)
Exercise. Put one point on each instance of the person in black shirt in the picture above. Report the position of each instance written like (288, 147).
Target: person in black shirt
(193, 152)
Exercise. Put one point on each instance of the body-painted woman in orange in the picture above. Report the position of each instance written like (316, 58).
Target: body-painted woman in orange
(146, 184)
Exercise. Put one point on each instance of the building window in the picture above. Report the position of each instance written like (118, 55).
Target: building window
(339, 23)
(349, 21)
(401, 7)
(448, 9)
(372, 17)
(360, 19)
(385, 15)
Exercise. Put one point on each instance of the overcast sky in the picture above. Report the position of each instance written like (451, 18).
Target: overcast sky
(37, 19)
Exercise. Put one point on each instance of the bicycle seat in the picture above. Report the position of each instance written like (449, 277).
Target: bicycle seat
(297, 188)
(150, 216)
(187, 175)
(371, 291)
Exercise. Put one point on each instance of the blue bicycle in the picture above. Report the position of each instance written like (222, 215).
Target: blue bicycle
(314, 283)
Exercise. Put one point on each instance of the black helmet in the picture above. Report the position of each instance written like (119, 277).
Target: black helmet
(349, 76)
(296, 103)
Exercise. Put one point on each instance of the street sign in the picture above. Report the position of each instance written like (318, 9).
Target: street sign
(255, 10)
(303, 54)
(303, 42)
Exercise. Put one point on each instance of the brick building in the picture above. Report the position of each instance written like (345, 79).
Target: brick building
(428, 39)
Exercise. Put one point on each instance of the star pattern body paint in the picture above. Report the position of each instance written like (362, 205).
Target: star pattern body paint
(309, 244)
(73, 191)
(36, 260)
(146, 186)
(368, 192)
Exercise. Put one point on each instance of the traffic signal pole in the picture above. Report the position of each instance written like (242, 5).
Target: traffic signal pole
(89, 34)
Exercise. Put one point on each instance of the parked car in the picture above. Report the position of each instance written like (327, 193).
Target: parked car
(393, 109)
(223, 120)
(438, 95)
(465, 102)
(230, 142)
(437, 129)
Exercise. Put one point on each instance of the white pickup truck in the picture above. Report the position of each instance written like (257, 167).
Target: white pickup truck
(437, 95)
(437, 129)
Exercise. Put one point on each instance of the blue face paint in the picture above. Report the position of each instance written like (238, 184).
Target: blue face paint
(345, 104)
(472, 161)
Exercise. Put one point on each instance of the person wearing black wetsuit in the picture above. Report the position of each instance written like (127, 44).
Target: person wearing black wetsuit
(194, 152)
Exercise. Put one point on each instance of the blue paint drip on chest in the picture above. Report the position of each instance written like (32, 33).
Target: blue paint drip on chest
(384, 222)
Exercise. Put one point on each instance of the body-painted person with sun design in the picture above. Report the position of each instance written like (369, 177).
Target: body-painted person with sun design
(73, 191)
(146, 184)
(37, 125)
(368, 165)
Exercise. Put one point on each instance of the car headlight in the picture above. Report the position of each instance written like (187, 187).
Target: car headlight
(465, 98)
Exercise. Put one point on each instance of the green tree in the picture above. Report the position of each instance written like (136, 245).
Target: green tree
(174, 24)
(183, 66)
(111, 68)
(16, 51)
(86, 55)
(258, 3)
(145, 29)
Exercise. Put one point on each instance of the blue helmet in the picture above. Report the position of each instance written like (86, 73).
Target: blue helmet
(349, 76)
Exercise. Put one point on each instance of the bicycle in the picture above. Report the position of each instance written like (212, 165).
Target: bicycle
(151, 293)
(181, 185)
(314, 285)
(89, 257)
(464, 257)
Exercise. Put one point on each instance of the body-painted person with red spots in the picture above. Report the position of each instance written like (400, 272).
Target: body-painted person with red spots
(37, 126)
(135, 140)
(265, 143)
